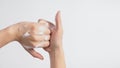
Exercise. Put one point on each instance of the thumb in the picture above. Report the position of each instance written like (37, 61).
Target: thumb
(35, 54)
(58, 21)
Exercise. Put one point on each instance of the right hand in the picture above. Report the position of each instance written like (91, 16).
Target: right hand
(56, 35)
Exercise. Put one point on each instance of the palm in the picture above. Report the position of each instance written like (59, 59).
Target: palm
(56, 34)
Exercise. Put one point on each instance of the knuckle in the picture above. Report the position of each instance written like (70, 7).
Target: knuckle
(37, 38)
(34, 38)
(47, 31)
(47, 37)
(33, 26)
(33, 45)
(47, 43)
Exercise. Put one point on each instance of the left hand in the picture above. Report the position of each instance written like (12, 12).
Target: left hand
(38, 35)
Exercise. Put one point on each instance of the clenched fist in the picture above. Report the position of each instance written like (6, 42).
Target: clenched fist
(34, 35)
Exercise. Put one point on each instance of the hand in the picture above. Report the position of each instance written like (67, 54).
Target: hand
(38, 36)
(56, 35)
(55, 49)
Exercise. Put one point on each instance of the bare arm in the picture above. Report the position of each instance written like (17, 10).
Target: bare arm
(55, 50)
(15, 32)
(57, 58)
(6, 36)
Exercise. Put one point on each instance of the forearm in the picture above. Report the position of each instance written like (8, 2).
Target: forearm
(6, 35)
(12, 33)
(57, 59)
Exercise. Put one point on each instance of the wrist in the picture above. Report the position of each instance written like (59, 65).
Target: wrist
(7, 35)
(18, 30)
(11, 32)
(56, 49)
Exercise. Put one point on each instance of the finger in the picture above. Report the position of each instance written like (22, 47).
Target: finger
(43, 22)
(39, 20)
(44, 26)
(49, 24)
(33, 44)
(44, 30)
(58, 21)
(35, 54)
(47, 49)
(42, 44)
(46, 37)
(39, 38)
(41, 31)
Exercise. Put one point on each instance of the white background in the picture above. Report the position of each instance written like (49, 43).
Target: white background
(91, 32)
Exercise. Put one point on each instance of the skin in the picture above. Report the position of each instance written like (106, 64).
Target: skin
(55, 49)
(15, 33)
(53, 45)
